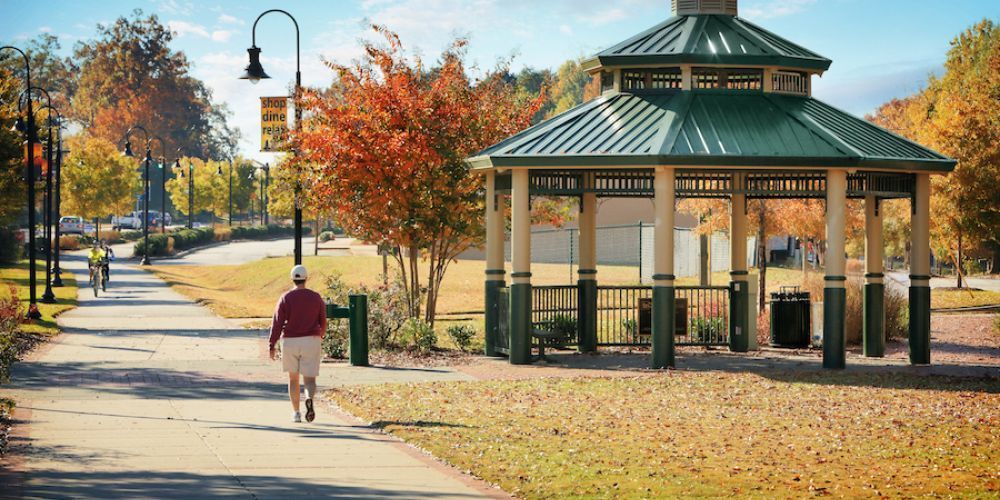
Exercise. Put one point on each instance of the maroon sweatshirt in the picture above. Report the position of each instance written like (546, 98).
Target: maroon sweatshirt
(300, 313)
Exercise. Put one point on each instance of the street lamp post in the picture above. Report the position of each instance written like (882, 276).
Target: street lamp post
(255, 72)
(56, 270)
(264, 182)
(30, 135)
(218, 172)
(177, 165)
(48, 297)
(145, 181)
(163, 201)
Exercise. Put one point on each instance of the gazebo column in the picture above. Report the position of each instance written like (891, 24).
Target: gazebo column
(494, 261)
(834, 293)
(920, 273)
(874, 304)
(520, 288)
(663, 269)
(739, 300)
(587, 272)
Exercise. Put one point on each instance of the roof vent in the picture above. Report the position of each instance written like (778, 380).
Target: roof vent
(695, 7)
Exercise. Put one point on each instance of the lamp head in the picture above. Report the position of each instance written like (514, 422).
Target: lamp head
(177, 164)
(128, 150)
(254, 71)
(218, 171)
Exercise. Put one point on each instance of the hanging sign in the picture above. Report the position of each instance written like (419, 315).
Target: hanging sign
(273, 123)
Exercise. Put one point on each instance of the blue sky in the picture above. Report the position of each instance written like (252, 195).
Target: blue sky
(880, 48)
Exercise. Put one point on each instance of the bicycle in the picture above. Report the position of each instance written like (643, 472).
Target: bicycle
(105, 274)
(94, 278)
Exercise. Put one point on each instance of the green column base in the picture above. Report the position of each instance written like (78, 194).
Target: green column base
(663, 327)
(358, 307)
(520, 323)
(587, 315)
(834, 343)
(739, 317)
(492, 326)
(920, 325)
(874, 326)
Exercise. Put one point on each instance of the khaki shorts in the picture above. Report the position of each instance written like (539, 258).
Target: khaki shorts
(302, 355)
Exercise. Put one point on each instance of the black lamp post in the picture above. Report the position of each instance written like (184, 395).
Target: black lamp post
(30, 136)
(177, 165)
(56, 270)
(145, 181)
(264, 182)
(163, 201)
(255, 72)
(48, 297)
(218, 172)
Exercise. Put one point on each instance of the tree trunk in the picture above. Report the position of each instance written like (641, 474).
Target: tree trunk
(958, 260)
(316, 238)
(803, 256)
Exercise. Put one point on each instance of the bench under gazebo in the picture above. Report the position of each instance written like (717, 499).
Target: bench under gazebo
(702, 105)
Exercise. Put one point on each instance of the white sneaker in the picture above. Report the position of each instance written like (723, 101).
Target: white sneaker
(296, 417)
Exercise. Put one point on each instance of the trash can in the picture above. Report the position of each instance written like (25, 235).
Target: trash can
(790, 318)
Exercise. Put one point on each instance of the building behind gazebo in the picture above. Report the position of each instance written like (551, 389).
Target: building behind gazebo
(702, 105)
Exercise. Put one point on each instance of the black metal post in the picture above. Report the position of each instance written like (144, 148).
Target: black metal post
(267, 208)
(31, 136)
(56, 270)
(230, 192)
(255, 72)
(48, 297)
(190, 195)
(145, 207)
(163, 195)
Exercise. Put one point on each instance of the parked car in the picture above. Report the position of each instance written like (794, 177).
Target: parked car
(71, 224)
(130, 221)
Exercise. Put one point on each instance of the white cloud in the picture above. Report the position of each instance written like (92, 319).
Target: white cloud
(227, 19)
(565, 29)
(767, 9)
(45, 29)
(604, 16)
(184, 28)
(222, 35)
(176, 8)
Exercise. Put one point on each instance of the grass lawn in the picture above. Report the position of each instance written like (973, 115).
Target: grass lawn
(17, 275)
(250, 290)
(946, 299)
(704, 433)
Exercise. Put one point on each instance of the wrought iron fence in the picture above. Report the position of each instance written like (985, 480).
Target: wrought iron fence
(624, 313)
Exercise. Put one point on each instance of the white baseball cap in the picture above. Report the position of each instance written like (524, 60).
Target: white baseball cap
(299, 273)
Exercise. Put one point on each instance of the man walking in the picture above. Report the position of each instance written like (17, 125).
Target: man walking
(300, 322)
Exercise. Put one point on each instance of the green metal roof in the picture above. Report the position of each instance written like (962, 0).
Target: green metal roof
(709, 128)
(708, 39)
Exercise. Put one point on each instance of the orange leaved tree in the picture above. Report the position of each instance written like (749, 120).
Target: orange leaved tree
(388, 144)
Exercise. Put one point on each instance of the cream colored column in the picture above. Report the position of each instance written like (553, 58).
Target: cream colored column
(664, 315)
(739, 303)
(834, 294)
(520, 290)
(587, 271)
(494, 229)
(873, 328)
(920, 273)
(495, 273)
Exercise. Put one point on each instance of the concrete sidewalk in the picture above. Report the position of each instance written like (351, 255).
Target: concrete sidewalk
(147, 394)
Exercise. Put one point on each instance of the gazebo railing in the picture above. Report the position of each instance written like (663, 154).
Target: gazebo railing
(624, 313)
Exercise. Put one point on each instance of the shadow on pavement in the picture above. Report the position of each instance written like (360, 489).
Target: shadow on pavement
(183, 484)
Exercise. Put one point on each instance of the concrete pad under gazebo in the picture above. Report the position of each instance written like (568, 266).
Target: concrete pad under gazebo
(704, 104)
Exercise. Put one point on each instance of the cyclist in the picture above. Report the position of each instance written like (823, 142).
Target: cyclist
(95, 259)
(109, 255)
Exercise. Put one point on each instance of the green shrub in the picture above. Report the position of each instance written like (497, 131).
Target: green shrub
(419, 334)
(337, 340)
(159, 244)
(387, 309)
(10, 249)
(326, 236)
(897, 313)
(462, 335)
(10, 321)
(131, 235)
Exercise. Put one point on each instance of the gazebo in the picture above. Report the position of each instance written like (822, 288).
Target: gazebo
(704, 104)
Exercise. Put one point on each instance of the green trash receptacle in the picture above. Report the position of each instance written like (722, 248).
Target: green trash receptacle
(790, 318)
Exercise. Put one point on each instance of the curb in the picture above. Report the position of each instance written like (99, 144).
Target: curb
(189, 251)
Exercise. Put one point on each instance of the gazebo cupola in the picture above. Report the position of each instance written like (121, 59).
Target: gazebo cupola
(706, 46)
(702, 105)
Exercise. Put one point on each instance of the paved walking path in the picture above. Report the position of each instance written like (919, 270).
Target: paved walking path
(147, 394)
